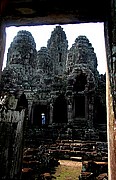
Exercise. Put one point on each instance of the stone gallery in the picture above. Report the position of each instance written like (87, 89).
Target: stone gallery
(58, 86)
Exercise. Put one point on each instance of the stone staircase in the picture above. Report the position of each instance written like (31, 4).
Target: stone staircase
(67, 148)
(79, 150)
(45, 146)
(81, 131)
(79, 123)
(59, 140)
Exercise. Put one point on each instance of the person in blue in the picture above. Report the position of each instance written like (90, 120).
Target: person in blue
(43, 118)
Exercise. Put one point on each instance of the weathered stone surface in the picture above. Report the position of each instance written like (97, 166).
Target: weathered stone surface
(11, 139)
(82, 52)
(62, 84)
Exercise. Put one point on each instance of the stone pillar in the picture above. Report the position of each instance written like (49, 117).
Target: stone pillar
(51, 114)
(110, 40)
(86, 107)
(69, 110)
(73, 107)
(114, 71)
(111, 132)
(90, 112)
(30, 106)
(2, 45)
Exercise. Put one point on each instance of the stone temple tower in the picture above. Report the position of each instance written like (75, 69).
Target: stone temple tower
(82, 52)
(81, 69)
(44, 61)
(57, 46)
(21, 63)
(23, 49)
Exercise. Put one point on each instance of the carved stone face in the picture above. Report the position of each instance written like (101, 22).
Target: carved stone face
(22, 50)
(15, 57)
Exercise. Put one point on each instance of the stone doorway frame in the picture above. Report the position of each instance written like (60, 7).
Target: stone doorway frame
(111, 126)
(39, 109)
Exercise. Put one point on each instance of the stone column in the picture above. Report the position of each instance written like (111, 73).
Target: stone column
(86, 107)
(69, 110)
(30, 103)
(90, 112)
(2, 45)
(110, 40)
(73, 107)
(51, 114)
(111, 133)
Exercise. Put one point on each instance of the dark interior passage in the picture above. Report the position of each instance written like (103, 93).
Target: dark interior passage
(80, 106)
(22, 102)
(40, 115)
(101, 115)
(80, 83)
(60, 110)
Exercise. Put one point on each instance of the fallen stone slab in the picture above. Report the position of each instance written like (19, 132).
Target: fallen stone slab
(76, 158)
(46, 176)
(103, 176)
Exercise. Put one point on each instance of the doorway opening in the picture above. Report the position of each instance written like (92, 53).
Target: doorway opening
(81, 81)
(79, 106)
(60, 110)
(40, 115)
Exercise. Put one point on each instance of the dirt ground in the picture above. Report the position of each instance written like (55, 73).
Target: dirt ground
(67, 170)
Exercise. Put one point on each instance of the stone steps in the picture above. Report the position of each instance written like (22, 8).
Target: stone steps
(79, 123)
(86, 145)
(39, 135)
(60, 148)
(82, 149)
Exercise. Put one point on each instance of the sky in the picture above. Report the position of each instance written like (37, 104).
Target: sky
(93, 31)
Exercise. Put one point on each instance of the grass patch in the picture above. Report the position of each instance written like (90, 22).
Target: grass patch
(67, 171)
